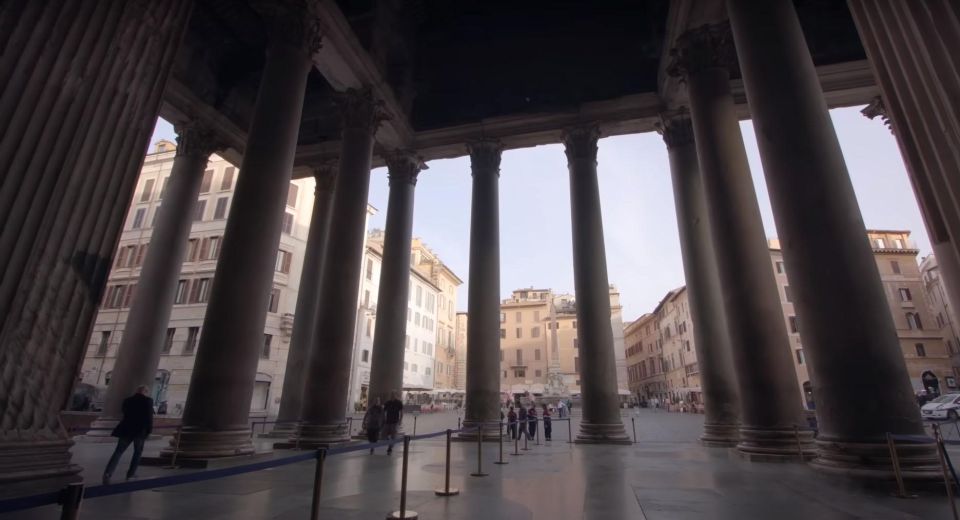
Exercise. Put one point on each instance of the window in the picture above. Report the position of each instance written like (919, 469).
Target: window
(426, 371)
(168, 340)
(182, 291)
(786, 293)
(369, 329)
(419, 296)
(265, 353)
(895, 266)
(104, 343)
(191, 344)
(519, 333)
(535, 332)
(365, 355)
(226, 182)
(205, 183)
(366, 299)
(793, 324)
(905, 295)
(274, 300)
(163, 188)
(504, 374)
(193, 247)
(519, 356)
(416, 319)
(283, 261)
(138, 258)
(147, 190)
(897, 243)
(779, 267)
(153, 219)
(128, 295)
(799, 353)
(539, 373)
(503, 317)
(519, 316)
(220, 211)
(536, 355)
(288, 223)
(292, 195)
(406, 344)
(204, 290)
(138, 218)
(913, 321)
(536, 315)
(921, 350)
(198, 210)
(413, 367)
(519, 372)
(369, 269)
(879, 243)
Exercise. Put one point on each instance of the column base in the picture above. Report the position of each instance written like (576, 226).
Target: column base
(102, 427)
(871, 461)
(775, 445)
(312, 436)
(193, 443)
(720, 435)
(280, 431)
(24, 463)
(491, 433)
(592, 433)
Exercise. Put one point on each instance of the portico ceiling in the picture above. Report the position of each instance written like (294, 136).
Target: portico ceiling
(449, 72)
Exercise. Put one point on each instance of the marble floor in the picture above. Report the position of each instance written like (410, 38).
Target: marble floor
(666, 475)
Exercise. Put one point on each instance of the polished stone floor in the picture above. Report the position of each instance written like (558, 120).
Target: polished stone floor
(665, 476)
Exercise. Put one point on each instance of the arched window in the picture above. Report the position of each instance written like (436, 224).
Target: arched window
(913, 321)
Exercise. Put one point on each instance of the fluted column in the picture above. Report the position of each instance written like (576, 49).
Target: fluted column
(717, 376)
(483, 299)
(840, 301)
(146, 325)
(81, 92)
(326, 381)
(601, 421)
(308, 298)
(769, 397)
(386, 365)
(215, 418)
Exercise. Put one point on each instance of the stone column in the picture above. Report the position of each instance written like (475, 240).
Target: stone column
(770, 400)
(386, 365)
(326, 381)
(304, 323)
(146, 325)
(844, 317)
(483, 299)
(601, 421)
(717, 376)
(215, 418)
(81, 90)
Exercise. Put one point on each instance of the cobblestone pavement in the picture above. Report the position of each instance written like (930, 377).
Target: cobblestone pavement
(666, 475)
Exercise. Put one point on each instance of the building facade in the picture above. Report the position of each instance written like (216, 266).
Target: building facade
(426, 262)
(662, 354)
(939, 304)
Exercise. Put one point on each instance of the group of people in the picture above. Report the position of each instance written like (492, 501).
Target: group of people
(382, 422)
(524, 422)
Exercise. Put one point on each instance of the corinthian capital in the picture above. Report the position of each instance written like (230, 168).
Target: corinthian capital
(676, 129)
(485, 156)
(404, 166)
(580, 142)
(708, 46)
(325, 174)
(360, 110)
(876, 109)
(196, 139)
(290, 22)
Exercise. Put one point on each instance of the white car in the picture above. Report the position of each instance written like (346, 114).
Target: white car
(943, 407)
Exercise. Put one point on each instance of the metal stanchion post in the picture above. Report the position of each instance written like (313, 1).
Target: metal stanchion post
(501, 461)
(569, 430)
(895, 460)
(403, 513)
(943, 467)
(526, 435)
(317, 481)
(70, 499)
(516, 445)
(414, 424)
(176, 449)
(479, 472)
(447, 490)
(633, 424)
(537, 437)
(458, 422)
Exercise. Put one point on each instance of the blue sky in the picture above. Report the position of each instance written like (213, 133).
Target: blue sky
(640, 228)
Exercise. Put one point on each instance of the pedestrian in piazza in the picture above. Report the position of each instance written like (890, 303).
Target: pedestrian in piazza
(547, 424)
(393, 415)
(522, 418)
(134, 428)
(532, 417)
(373, 422)
(561, 408)
(512, 423)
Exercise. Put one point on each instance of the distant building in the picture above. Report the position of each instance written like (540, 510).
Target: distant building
(460, 348)
(943, 313)
(662, 352)
(428, 263)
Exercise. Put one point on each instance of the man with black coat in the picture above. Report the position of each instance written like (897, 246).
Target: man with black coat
(135, 426)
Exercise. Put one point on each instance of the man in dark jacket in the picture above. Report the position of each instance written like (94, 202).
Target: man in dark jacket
(135, 426)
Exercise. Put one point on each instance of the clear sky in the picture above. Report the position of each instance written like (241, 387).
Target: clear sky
(643, 249)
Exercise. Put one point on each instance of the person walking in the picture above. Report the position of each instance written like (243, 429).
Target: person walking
(522, 418)
(373, 422)
(134, 428)
(547, 424)
(561, 408)
(532, 417)
(393, 415)
(512, 423)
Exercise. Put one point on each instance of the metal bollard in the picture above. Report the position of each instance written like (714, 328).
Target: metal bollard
(176, 449)
(537, 438)
(414, 424)
(458, 422)
(317, 480)
(895, 460)
(633, 424)
(569, 430)
(501, 461)
(479, 472)
(526, 435)
(403, 513)
(447, 490)
(941, 457)
(516, 446)
(70, 499)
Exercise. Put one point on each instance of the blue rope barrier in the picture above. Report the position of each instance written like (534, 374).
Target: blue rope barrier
(16, 504)
(918, 439)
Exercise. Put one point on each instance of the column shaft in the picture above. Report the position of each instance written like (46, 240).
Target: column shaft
(711, 339)
(304, 323)
(386, 365)
(215, 418)
(598, 371)
(326, 382)
(769, 398)
(844, 316)
(483, 299)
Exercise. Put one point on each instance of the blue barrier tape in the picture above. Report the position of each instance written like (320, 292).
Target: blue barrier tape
(428, 435)
(360, 447)
(16, 504)
(918, 439)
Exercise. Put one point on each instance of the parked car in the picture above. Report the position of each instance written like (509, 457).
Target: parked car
(943, 407)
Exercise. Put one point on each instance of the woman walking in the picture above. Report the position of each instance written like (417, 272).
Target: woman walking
(373, 422)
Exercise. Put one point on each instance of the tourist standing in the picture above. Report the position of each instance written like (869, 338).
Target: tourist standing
(561, 408)
(393, 415)
(532, 417)
(512, 423)
(547, 424)
(134, 428)
(373, 422)
(522, 417)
